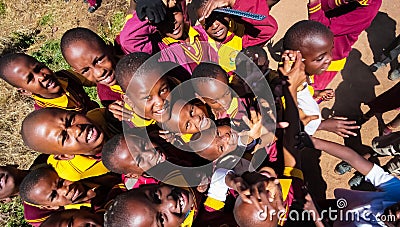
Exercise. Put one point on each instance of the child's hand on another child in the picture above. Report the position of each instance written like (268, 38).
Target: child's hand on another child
(305, 119)
(213, 4)
(340, 126)
(119, 111)
(293, 67)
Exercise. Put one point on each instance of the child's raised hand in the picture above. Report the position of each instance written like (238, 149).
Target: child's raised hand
(119, 111)
(268, 190)
(170, 137)
(239, 185)
(340, 126)
(213, 4)
(295, 72)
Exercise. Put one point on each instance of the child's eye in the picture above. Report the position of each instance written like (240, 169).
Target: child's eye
(161, 220)
(65, 136)
(218, 133)
(30, 78)
(60, 183)
(53, 195)
(147, 97)
(37, 68)
(84, 71)
(187, 126)
(156, 197)
(100, 59)
(139, 159)
(221, 149)
(320, 58)
(164, 90)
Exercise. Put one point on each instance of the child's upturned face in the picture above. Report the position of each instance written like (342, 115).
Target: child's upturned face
(192, 119)
(318, 55)
(143, 153)
(157, 205)
(216, 25)
(66, 132)
(224, 142)
(173, 26)
(215, 92)
(91, 61)
(8, 178)
(151, 100)
(75, 218)
(51, 190)
(33, 76)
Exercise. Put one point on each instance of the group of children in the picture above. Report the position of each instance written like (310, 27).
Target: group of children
(193, 127)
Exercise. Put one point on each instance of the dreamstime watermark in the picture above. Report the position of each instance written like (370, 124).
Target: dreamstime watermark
(338, 213)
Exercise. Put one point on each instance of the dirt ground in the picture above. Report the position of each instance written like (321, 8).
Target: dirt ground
(355, 85)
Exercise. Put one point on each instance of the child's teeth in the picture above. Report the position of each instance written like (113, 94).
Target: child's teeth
(89, 136)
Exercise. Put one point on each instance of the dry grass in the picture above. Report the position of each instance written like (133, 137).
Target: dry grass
(26, 25)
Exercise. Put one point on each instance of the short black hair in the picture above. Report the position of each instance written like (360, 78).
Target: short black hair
(109, 152)
(116, 213)
(80, 34)
(29, 182)
(303, 31)
(32, 118)
(206, 71)
(7, 59)
(127, 66)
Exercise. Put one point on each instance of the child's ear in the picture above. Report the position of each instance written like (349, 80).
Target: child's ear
(200, 98)
(64, 156)
(24, 92)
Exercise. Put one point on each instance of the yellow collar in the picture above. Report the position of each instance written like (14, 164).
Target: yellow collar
(188, 220)
(192, 34)
(137, 120)
(116, 88)
(336, 65)
(59, 102)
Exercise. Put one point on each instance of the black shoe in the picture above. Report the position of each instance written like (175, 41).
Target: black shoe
(356, 180)
(342, 168)
(91, 9)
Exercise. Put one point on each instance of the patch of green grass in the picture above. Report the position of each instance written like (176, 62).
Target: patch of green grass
(2, 8)
(92, 93)
(46, 20)
(14, 213)
(112, 28)
(50, 54)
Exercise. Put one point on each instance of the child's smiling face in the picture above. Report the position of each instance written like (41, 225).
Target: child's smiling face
(57, 131)
(174, 25)
(27, 74)
(149, 96)
(317, 53)
(215, 92)
(224, 141)
(155, 205)
(53, 191)
(95, 63)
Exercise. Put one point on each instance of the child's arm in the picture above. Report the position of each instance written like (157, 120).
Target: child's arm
(351, 23)
(135, 36)
(344, 153)
(256, 32)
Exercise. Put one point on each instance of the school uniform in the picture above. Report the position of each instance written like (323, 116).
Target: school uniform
(141, 36)
(108, 95)
(81, 166)
(243, 33)
(346, 29)
(74, 97)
